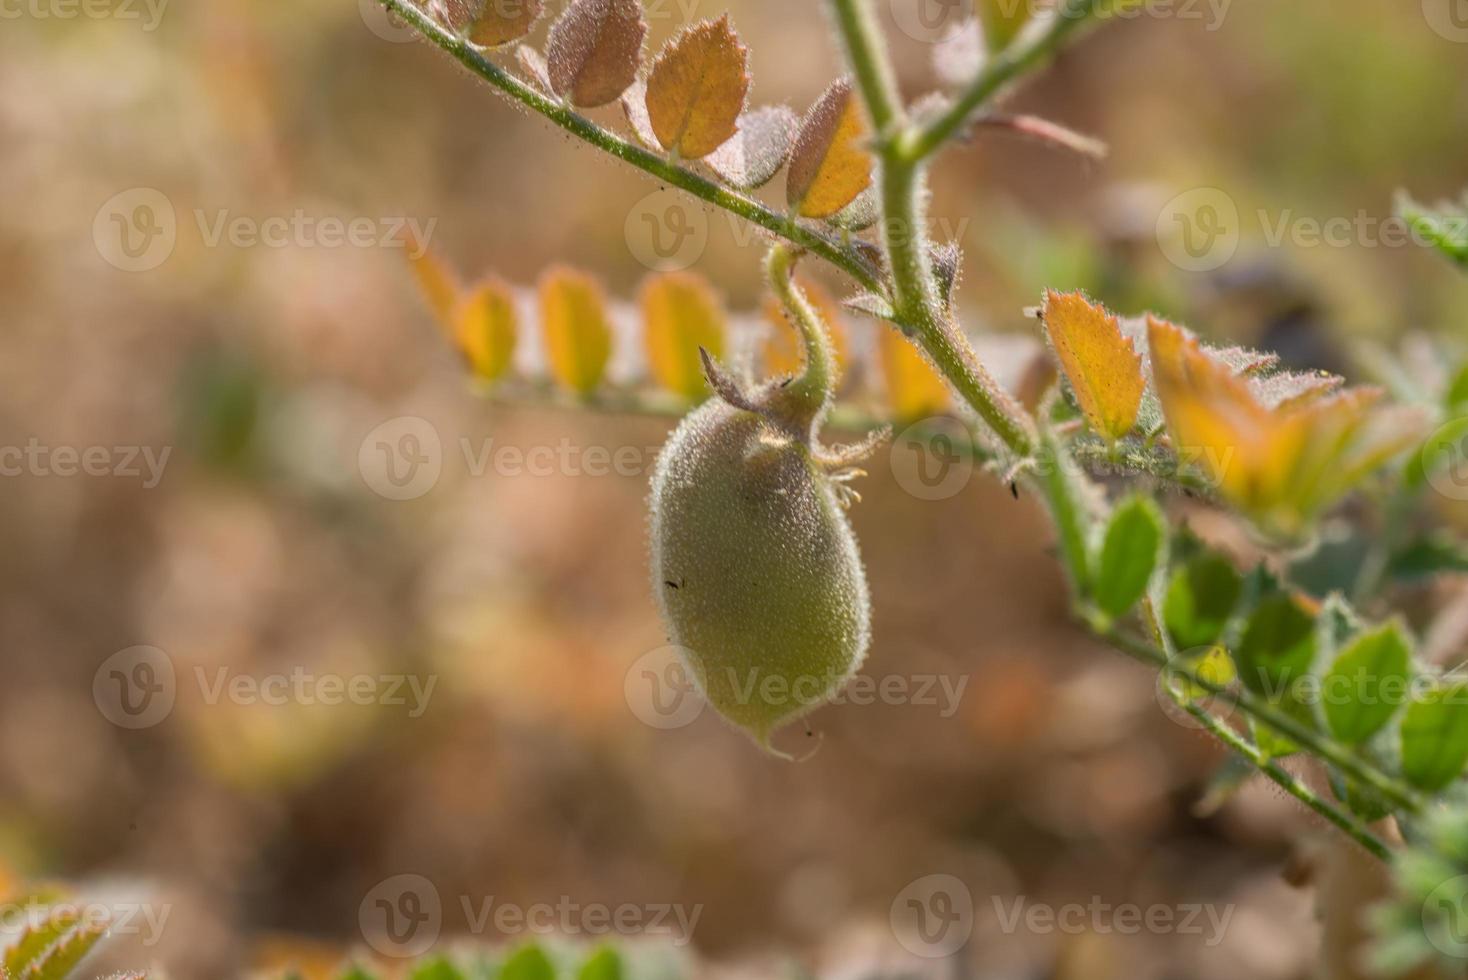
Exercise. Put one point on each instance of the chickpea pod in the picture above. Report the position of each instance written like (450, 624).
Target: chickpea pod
(755, 567)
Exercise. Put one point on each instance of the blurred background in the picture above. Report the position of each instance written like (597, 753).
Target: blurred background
(196, 364)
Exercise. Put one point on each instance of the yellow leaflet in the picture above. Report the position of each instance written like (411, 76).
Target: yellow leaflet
(578, 335)
(1281, 466)
(487, 328)
(1103, 368)
(439, 283)
(696, 90)
(829, 167)
(782, 349)
(681, 314)
(914, 389)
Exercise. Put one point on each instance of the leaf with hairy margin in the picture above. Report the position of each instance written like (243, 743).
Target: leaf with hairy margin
(594, 50)
(829, 166)
(697, 87)
(758, 149)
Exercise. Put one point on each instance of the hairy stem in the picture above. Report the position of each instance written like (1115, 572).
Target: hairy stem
(684, 179)
(873, 69)
(1285, 780)
(919, 310)
(809, 392)
(1250, 705)
(1035, 43)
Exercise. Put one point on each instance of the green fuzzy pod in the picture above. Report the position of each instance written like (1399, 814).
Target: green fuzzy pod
(757, 572)
(754, 564)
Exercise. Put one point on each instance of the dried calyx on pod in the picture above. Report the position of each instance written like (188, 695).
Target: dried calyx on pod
(755, 567)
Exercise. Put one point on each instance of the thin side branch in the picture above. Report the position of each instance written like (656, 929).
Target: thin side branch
(1033, 46)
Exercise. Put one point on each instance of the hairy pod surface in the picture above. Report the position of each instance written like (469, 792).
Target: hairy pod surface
(755, 567)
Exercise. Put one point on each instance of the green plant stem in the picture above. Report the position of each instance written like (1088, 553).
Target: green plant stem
(1286, 781)
(1025, 53)
(1251, 752)
(904, 238)
(872, 67)
(684, 179)
(1348, 762)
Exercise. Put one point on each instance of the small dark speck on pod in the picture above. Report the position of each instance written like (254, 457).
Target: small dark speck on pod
(1014, 489)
